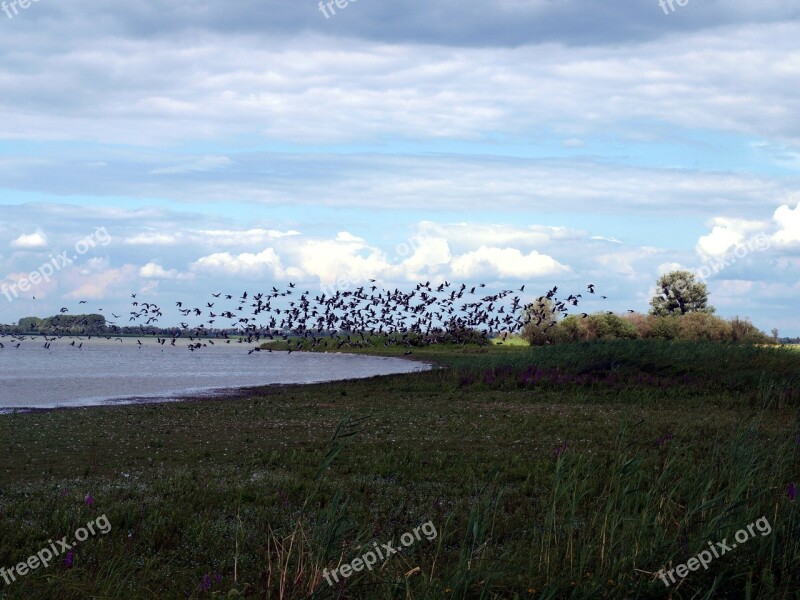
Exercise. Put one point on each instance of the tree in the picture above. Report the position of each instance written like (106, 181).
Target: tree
(679, 293)
(540, 318)
(29, 324)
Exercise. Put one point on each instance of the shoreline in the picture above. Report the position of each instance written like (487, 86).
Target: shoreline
(215, 393)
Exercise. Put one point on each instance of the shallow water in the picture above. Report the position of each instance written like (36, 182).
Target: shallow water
(104, 371)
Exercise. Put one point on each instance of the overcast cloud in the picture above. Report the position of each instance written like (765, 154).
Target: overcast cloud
(242, 144)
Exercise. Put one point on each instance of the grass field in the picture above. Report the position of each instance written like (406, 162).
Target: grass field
(574, 471)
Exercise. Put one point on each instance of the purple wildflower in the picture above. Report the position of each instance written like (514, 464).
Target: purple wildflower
(205, 585)
(791, 491)
(561, 449)
(69, 560)
(466, 379)
(89, 500)
(663, 439)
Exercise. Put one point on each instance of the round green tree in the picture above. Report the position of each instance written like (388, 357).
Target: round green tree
(680, 293)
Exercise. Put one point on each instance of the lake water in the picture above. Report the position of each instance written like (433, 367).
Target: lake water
(105, 372)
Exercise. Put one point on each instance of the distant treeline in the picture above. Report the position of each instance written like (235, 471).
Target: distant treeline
(61, 324)
(94, 324)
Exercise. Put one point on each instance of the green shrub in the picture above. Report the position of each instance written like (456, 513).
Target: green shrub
(694, 326)
(620, 328)
(573, 329)
(742, 330)
(703, 326)
(643, 324)
(665, 328)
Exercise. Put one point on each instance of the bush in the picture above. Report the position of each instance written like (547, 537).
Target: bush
(703, 326)
(665, 328)
(615, 327)
(598, 326)
(643, 324)
(691, 326)
(744, 331)
(573, 329)
(539, 335)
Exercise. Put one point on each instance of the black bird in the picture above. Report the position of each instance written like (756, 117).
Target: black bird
(367, 315)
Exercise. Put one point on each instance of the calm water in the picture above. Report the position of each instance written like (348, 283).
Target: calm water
(105, 372)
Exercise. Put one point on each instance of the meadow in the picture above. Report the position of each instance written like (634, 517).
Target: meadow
(568, 471)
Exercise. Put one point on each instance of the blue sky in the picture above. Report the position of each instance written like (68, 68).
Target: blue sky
(243, 144)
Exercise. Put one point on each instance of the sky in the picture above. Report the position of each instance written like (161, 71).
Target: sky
(178, 149)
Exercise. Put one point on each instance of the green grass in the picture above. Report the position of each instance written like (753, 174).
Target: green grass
(668, 446)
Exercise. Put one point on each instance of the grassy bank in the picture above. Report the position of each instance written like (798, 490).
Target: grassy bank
(559, 472)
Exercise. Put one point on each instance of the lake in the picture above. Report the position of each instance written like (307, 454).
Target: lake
(106, 372)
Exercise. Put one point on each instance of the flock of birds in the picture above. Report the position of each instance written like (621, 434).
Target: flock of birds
(366, 316)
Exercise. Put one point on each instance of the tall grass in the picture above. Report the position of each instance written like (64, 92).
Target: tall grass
(574, 471)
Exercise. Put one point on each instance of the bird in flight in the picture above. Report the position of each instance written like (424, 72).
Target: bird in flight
(359, 317)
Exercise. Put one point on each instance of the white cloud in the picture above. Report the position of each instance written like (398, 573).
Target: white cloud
(98, 286)
(429, 255)
(94, 265)
(346, 258)
(30, 241)
(248, 265)
(601, 238)
(725, 234)
(155, 271)
(733, 287)
(313, 88)
(254, 237)
(470, 235)
(668, 267)
(348, 238)
(623, 262)
(788, 221)
(506, 263)
(152, 239)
